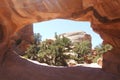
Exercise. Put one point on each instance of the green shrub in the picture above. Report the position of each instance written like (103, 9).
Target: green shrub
(57, 52)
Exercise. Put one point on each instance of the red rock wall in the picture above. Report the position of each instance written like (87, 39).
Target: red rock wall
(25, 38)
(103, 14)
(110, 34)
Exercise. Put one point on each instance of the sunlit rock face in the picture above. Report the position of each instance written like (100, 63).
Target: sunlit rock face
(104, 16)
(77, 36)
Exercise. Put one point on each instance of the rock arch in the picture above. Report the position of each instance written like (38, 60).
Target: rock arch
(15, 14)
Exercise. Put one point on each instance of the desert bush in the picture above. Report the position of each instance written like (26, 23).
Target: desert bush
(57, 52)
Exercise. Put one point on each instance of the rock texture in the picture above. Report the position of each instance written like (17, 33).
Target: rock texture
(24, 38)
(77, 36)
(104, 16)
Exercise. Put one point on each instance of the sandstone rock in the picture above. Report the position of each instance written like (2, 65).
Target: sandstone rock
(104, 16)
(25, 37)
(77, 36)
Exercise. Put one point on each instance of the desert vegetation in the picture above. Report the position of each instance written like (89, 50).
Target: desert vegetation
(63, 52)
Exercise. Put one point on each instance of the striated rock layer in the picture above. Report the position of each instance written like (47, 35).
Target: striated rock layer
(77, 36)
(104, 16)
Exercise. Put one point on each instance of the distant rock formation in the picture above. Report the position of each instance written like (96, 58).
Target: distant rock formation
(77, 36)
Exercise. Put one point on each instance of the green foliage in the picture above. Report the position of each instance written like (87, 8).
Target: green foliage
(37, 38)
(101, 49)
(51, 52)
(82, 49)
(32, 52)
(33, 49)
(55, 52)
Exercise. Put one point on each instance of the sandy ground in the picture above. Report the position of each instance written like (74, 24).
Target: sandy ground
(92, 65)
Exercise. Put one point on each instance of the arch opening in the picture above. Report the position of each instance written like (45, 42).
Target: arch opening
(63, 26)
(104, 26)
(48, 28)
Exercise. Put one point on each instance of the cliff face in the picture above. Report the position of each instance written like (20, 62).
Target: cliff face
(77, 36)
(104, 16)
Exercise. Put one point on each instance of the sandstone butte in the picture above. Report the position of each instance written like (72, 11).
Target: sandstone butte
(104, 16)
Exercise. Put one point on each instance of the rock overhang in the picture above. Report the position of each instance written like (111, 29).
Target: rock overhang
(103, 15)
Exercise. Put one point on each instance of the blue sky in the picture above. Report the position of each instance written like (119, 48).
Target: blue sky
(48, 28)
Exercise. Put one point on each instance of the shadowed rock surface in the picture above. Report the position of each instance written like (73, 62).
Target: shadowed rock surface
(24, 38)
(104, 16)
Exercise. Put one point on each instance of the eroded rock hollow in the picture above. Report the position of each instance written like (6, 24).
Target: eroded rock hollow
(104, 16)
